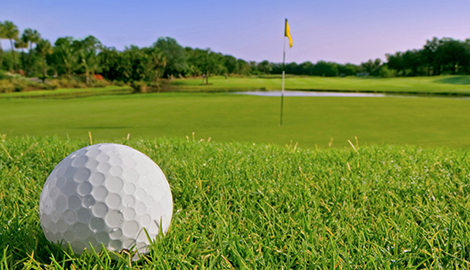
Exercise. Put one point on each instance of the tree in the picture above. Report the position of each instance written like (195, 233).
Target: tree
(157, 61)
(110, 63)
(253, 68)
(372, 67)
(325, 69)
(11, 32)
(385, 72)
(174, 54)
(21, 45)
(204, 62)
(244, 67)
(347, 69)
(428, 55)
(137, 63)
(209, 63)
(231, 64)
(2, 36)
(264, 67)
(30, 37)
(291, 68)
(218, 62)
(452, 54)
(64, 56)
(395, 61)
(412, 61)
(87, 52)
(306, 68)
(44, 48)
(192, 69)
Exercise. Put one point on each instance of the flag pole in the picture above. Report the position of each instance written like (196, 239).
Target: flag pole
(283, 75)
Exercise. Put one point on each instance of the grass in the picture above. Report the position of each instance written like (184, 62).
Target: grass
(239, 205)
(441, 85)
(265, 201)
(308, 121)
(66, 93)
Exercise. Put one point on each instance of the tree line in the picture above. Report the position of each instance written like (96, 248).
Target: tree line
(438, 56)
(34, 56)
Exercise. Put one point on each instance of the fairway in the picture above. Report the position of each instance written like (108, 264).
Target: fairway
(308, 121)
(438, 85)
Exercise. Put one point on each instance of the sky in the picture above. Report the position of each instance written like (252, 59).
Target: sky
(341, 31)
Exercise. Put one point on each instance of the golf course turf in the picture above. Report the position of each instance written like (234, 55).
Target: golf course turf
(239, 205)
(436, 85)
(308, 121)
(345, 182)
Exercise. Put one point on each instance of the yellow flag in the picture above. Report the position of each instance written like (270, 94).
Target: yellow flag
(287, 34)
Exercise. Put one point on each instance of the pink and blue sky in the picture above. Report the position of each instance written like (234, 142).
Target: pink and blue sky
(332, 30)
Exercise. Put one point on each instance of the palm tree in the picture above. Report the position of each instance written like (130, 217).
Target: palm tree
(157, 60)
(31, 37)
(87, 50)
(64, 55)
(44, 48)
(20, 44)
(2, 36)
(10, 31)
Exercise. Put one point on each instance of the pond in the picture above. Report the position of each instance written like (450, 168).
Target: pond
(308, 94)
(277, 93)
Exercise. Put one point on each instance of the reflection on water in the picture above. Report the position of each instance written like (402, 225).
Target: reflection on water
(308, 94)
(342, 94)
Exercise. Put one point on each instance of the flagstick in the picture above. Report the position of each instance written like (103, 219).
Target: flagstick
(283, 75)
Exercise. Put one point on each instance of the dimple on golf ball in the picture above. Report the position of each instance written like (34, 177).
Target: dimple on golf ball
(105, 194)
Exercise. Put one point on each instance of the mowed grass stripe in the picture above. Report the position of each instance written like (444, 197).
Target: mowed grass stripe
(310, 121)
(445, 85)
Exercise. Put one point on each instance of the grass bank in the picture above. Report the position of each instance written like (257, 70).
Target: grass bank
(438, 86)
(251, 206)
(308, 121)
(67, 93)
(441, 85)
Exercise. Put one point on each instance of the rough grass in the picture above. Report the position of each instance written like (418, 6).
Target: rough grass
(251, 206)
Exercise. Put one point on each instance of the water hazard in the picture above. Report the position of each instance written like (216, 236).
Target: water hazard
(277, 93)
(308, 94)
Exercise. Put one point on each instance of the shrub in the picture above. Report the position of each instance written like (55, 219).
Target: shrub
(98, 82)
(20, 85)
(66, 82)
(78, 84)
(6, 86)
(52, 84)
(3, 76)
(386, 73)
(34, 85)
(139, 87)
(154, 87)
(98, 77)
(119, 83)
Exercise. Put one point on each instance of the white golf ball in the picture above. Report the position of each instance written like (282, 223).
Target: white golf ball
(105, 194)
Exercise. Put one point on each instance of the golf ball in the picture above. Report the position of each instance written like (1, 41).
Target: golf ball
(105, 194)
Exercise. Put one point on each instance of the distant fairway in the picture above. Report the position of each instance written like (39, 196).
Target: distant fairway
(444, 85)
(310, 121)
